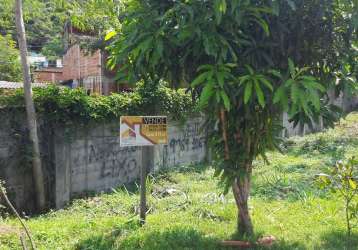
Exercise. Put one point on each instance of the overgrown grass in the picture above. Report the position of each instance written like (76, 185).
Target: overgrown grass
(188, 212)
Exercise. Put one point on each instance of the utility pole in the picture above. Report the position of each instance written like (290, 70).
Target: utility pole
(37, 172)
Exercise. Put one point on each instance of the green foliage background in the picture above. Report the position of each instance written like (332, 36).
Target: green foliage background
(45, 20)
(10, 66)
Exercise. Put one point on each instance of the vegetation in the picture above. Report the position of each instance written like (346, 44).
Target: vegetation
(45, 20)
(246, 61)
(284, 197)
(10, 66)
(343, 181)
(74, 105)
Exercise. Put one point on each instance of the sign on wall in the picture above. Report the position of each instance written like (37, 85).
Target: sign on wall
(143, 130)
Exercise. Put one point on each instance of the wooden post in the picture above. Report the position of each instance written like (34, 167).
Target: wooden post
(147, 164)
(30, 110)
(143, 189)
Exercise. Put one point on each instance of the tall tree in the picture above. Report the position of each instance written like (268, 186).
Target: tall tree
(246, 61)
(30, 110)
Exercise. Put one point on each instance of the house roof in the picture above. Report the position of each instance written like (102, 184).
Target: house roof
(19, 85)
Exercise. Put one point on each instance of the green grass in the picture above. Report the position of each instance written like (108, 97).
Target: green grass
(188, 212)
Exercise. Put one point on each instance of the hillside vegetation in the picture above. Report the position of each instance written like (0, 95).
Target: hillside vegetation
(188, 212)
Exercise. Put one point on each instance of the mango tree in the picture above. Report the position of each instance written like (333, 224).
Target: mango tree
(246, 61)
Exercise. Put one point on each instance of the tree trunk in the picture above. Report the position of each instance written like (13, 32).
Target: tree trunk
(30, 111)
(241, 190)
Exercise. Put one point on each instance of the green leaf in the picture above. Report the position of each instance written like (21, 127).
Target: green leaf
(159, 47)
(280, 92)
(289, 82)
(291, 67)
(260, 94)
(206, 67)
(226, 100)
(284, 102)
(209, 45)
(200, 79)
(231, 65)
(324, 180)
(248, 92)
(295, 93)
(275, 73)
(109, 35)
(312, 85)
(223, 6)
(220, 9)
(250, 69)
(206, 94)
(315, 99)
(263, 24)
(308, 78)
(353, 184)
(218, 97)
(220, 76)
(266, 82)
(304, 102)
(243, 79)
(146, 44)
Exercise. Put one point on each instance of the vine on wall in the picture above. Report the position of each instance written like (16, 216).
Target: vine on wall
(64, 105)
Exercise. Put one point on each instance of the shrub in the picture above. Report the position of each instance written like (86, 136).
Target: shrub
(343, 182)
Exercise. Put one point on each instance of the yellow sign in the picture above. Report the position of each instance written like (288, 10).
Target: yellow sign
(143, 130)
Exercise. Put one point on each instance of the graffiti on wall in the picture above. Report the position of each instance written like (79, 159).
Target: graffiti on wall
(102, 164)
(187, 145)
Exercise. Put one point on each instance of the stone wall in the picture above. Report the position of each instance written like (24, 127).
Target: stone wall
(80, 159)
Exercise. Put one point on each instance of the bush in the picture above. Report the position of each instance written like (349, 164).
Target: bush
(69, 105)
(343, 182)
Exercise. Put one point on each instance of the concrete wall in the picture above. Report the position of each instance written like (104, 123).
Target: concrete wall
(15, 159)
(289, 130)
(91, 159)
(80, 159)
(187, 144)
(347, 103)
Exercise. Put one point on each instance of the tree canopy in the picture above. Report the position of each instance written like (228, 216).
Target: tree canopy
(45, 20)
(246, 61)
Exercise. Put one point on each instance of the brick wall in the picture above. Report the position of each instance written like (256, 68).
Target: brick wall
(78, 65)
(53, 75)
